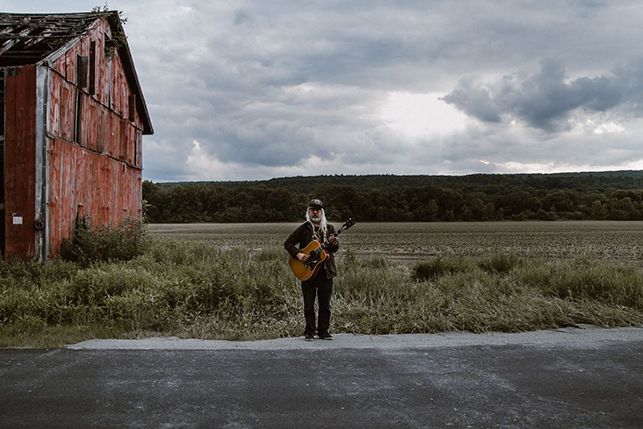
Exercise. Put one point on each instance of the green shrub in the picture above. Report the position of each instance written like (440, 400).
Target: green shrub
(502, 263)
(13, 303)
(93, 286)
(138, 310)
(28, 324)
(271, 254)
(439, 267)
(204, 291)
(107, 243)
(579, 280)
(375, 262)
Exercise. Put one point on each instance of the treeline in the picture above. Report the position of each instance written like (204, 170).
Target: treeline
(377, 198)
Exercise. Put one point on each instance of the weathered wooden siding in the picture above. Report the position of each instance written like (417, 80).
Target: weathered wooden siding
(96, 173)
(20, 161)
(111, 85)
(86, 183)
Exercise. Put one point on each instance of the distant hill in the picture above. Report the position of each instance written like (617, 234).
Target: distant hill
(624, 179)
(585, 195)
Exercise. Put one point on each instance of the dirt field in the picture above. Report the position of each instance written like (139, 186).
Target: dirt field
(409, 242)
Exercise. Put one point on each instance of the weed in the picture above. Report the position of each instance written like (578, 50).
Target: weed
(501, 263)
(582, 280)
(190, 289)
(439, 267)
(107, 243)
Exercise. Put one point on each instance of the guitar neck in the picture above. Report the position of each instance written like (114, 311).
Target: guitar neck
(339, 231)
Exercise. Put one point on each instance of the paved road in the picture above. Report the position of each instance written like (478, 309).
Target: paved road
(569, 378)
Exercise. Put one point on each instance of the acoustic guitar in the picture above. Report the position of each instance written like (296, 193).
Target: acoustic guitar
(317, 254)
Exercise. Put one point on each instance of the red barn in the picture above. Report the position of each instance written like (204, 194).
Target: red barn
(72, 120)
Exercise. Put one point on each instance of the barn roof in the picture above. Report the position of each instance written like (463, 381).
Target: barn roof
(31, 38)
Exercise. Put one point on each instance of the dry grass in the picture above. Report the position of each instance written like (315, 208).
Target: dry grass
(205, 290)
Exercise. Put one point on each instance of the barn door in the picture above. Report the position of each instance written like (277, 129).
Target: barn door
(2, 128)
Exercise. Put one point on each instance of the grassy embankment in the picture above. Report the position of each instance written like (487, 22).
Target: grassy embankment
(196, 290)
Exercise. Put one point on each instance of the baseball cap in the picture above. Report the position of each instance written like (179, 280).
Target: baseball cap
(316, 203)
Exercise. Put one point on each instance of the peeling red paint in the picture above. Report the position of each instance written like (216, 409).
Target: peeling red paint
(92, 157)
(89, 184)
(105, 182)
(20, 162)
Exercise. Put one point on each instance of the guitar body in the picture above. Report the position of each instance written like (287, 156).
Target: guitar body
(316, 256)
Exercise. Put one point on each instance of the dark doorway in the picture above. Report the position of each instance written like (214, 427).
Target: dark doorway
(2, 128)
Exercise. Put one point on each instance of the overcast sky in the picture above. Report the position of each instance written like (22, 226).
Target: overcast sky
(245, 90)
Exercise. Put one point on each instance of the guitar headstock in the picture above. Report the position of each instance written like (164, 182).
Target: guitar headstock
(350, 222)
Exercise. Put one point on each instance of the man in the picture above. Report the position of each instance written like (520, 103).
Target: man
(321, 284)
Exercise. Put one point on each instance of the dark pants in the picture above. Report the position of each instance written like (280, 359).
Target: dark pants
(321, 287)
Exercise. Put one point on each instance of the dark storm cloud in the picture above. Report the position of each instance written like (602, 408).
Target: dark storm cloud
(545, 100)
(271, 88)
(268, 86)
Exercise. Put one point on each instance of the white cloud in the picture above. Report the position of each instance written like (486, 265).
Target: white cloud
(203, 165)
(334, 88)
(554, 167)
(253, 89)
(420, 115)
(608, 128)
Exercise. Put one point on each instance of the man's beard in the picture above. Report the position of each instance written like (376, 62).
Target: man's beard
(315, 219)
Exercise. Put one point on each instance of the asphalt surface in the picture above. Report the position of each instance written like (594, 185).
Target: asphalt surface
(568, 378)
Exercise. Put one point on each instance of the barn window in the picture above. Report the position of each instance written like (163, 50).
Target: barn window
(82, 63)
(137, 148)
(92, 68)
(132, 107)
(82, 66)
(110, 46)
(2, 161)
(78, 115)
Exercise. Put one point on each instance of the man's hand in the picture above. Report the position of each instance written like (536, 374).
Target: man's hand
(332, 240)
(302, 257)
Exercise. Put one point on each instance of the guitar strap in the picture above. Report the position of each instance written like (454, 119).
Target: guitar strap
(318, 234)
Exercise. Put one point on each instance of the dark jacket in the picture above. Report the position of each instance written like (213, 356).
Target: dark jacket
(304, 235)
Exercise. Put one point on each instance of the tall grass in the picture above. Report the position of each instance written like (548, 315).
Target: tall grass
(197, 290)
(104, 243)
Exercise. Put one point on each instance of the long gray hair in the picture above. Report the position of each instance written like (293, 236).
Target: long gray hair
(323, 225)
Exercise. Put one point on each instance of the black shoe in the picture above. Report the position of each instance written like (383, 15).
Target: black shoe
(309, 337)
(325, 336)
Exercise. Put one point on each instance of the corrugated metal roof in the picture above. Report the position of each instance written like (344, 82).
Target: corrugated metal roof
(30, 38)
